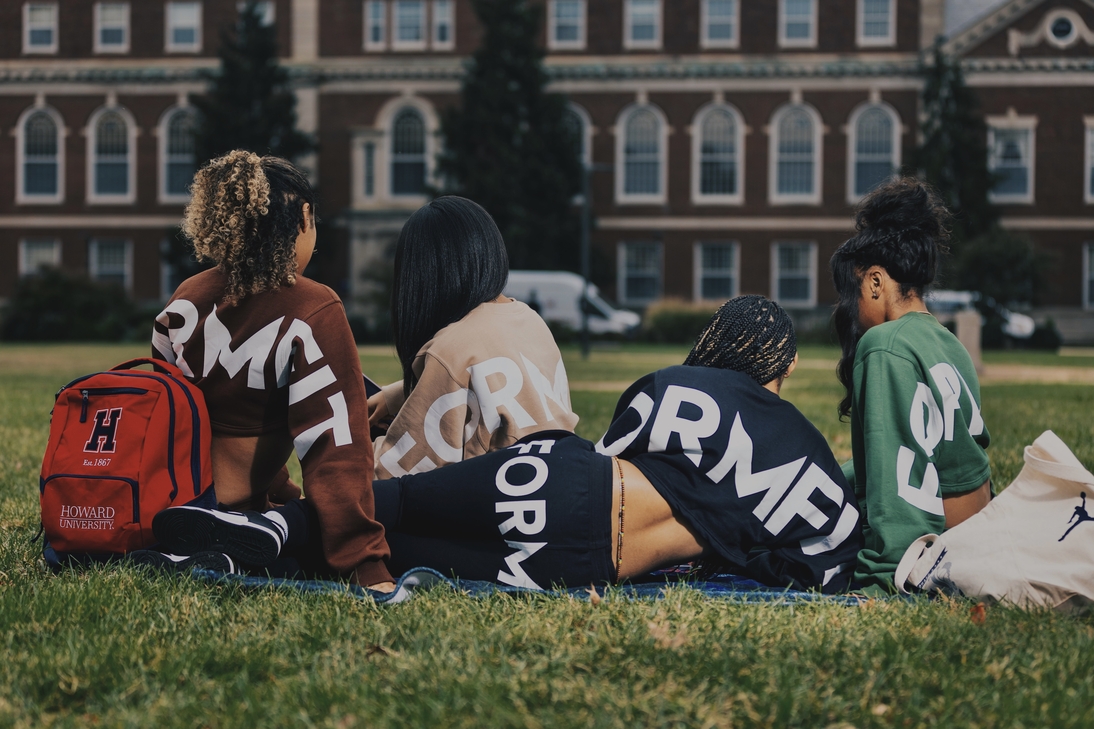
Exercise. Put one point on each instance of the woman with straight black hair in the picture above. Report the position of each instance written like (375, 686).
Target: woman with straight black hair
(917, 436)
(480, 370)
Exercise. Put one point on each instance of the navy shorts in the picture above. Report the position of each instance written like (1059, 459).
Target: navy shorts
(536, 514)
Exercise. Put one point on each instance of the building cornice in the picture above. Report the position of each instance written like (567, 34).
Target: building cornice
(570, 74)
(340, 70)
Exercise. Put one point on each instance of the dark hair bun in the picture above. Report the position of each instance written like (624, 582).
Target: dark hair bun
(902, 227)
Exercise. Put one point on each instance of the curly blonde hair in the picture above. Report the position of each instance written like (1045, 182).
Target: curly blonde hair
(245, 214)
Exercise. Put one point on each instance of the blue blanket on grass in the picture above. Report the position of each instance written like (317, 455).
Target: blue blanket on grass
(731, 587)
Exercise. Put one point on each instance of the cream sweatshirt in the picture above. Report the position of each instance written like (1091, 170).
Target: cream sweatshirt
(484, 382)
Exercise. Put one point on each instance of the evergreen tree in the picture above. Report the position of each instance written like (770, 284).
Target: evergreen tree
(249, 104)
(507, 146)
(954, 152)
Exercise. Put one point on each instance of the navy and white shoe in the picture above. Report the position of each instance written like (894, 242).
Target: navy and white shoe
(249, 538)
(215, 561)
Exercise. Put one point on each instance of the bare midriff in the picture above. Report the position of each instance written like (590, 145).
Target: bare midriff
(245, 467)
(653, 535)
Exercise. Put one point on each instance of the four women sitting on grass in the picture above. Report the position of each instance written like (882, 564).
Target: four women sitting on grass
(702, 461)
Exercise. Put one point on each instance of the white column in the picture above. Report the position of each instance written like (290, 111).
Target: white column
(307, 120)
(931, 21)
(305, 30)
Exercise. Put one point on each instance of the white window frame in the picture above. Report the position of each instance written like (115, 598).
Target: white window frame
(380, 135)
(586, 133)
(809, 42)
(697, 195)
(705, 41)
(94, 198)
(169, 45)
(697, 268)
(165, 197)
(1088, 254)
(852, 143)
(97, 45)
(874, 41)
(811, 302)
(23, 269)
(21, 198)
(369, 44)
(621, 271)
(622, 197)
(434, 25)
(402, 45)
(774, 197)
(29, 49)
(93, 259)
(1088, 163)
(1009, 122)
(654, 44)
(552, 23)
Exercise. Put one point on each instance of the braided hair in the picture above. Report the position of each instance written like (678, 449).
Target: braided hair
(748, 334)
(901, 227)
(245, 213)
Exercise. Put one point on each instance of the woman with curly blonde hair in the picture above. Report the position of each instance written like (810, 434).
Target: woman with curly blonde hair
(273, 353)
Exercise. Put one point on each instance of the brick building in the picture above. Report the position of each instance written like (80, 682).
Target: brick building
(734, 136)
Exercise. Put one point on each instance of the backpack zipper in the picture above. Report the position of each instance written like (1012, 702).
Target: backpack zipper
(105, 391)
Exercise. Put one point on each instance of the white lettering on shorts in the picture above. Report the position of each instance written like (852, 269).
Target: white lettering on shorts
(519, 510)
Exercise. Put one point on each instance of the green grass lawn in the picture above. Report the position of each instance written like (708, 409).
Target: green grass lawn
(113, 647)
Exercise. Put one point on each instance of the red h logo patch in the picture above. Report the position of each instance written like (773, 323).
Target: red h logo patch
(106, 427)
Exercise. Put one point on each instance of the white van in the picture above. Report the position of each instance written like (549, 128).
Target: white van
(557, 297)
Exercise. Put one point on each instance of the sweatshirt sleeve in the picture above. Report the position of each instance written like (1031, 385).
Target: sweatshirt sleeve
(328, 421)
(432, 427)
(903, 501)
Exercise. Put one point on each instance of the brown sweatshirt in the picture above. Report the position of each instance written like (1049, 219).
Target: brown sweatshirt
(285, 362)
(484, 382)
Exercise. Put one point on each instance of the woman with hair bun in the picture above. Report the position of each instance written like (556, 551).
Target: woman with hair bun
(917, 434)
(273, 354)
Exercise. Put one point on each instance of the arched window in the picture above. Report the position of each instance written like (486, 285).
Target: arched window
(796, 153)
(642, 154)
(178, 153)
(112, 156)
(408, 158)
(717, 159)
(875, 148)
(41, 144)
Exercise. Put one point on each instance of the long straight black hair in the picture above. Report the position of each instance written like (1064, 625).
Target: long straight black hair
(902, 227)
(450, 257)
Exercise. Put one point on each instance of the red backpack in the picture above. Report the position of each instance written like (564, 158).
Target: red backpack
(123, 446)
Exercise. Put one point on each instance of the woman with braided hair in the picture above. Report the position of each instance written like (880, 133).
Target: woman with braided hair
(273, 354)
(700, 460)
(917, 436)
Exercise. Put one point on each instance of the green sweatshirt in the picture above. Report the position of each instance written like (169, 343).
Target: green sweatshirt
(916, 435)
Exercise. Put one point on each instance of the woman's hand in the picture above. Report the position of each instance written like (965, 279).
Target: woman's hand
(377, 412)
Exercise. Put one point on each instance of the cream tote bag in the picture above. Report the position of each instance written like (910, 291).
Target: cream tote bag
(1033, 545)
